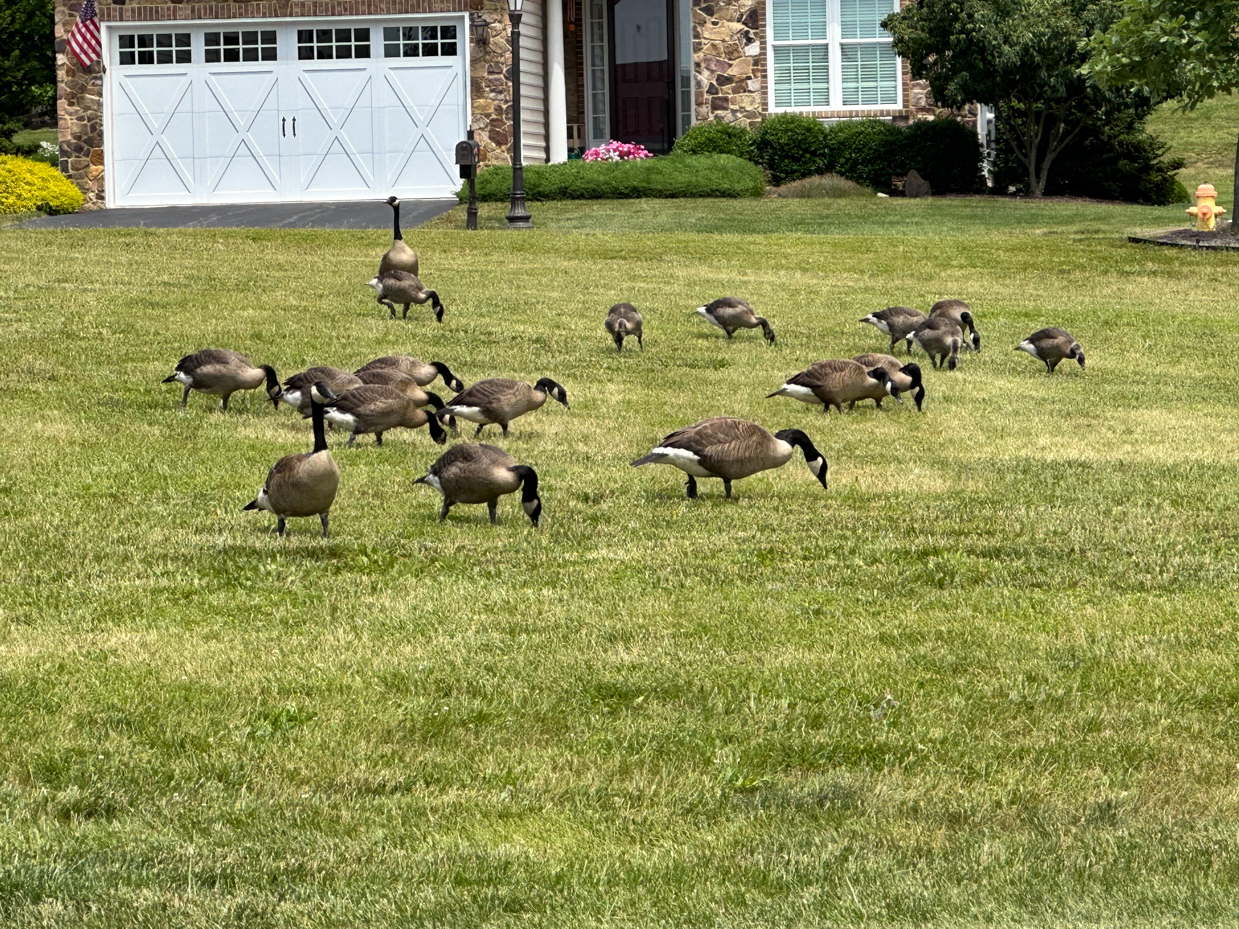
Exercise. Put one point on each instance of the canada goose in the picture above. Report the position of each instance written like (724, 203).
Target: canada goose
(836, 382)
(377, 408)
(399, 257)
(223, 372)
(940, 338)
(297, 388)
(624, 320)
(730, 449)
(476, 473)
(390, 377)
(423, 372)
(1052, 346)
(403, 287)
(903, 376)
(960, 314)
(500, 400)
(895, 321)
(305, 484)
(732, 313)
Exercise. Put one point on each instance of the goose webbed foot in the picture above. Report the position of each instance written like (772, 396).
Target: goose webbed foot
(378, 438)
(504, 426)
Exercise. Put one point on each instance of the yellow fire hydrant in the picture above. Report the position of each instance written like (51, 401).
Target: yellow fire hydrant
(1206, 209)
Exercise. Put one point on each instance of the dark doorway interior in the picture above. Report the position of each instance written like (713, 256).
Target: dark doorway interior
(642, 74)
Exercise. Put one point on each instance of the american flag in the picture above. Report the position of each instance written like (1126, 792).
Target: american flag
(84, 36)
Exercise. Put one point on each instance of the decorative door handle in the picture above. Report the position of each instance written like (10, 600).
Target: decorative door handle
(283, 127)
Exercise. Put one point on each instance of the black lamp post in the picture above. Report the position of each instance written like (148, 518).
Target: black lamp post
(518, 215)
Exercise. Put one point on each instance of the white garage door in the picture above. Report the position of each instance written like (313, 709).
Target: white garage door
(262, 112)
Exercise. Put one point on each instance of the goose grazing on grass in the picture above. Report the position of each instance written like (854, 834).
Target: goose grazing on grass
(904, 377)
(423, 372)
(732, 313)
(1051, 346)
(960, 314)
(624, 320)
(305, 484)
(500, 400)
(297, 388)
(940, 338)
(392, 287)
(222, 372)
(731, 449)
(836, 382)
(376, 408)
(399, 257)
(390, 377)
(477, 473)
(895, 321)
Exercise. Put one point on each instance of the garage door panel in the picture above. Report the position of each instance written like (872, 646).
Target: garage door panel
(241, 133)
(262, 129)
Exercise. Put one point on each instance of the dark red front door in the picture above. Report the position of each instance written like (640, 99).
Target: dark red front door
(642, 73)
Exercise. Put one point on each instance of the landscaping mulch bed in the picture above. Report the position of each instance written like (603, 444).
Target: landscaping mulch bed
(1190, 238)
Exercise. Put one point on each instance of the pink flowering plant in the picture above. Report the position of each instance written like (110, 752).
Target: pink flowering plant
(617, 151)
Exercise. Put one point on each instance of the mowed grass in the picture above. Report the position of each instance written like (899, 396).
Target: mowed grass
(1205, 139)
(986, 678)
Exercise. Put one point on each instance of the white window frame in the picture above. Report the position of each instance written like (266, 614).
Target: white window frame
(834, 43)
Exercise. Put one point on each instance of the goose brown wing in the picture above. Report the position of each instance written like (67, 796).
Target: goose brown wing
(460, 459)
(487, 395)
(368, 399)
(387, 361)
(209, 357)
(1050, 333)
(283, 470)
(310, 376)
(898, 312)
(711, 433)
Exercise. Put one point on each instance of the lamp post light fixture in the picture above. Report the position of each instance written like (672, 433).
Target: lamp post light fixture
(518, 215)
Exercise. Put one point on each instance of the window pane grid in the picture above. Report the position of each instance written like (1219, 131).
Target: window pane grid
(860, 19)
(155, 48)
(419, 41)
(333, 44)
(802, 76)
(250, 45)
(799, 20)
(808, 42)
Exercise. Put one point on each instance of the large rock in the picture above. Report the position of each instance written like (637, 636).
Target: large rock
(916, 186)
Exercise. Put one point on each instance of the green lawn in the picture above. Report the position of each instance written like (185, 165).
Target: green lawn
(987, 678)
(1205, 139)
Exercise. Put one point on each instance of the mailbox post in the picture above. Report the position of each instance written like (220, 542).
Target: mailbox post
(467, 158)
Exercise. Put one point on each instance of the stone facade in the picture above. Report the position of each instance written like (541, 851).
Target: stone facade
(728, 48)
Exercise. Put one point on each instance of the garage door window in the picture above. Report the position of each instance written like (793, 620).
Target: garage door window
(255, 45)
(155, 48)
(419, 41)
(321, 44)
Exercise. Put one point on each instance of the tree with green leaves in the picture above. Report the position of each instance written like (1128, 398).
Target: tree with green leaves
(27, 60)
(1021, 57)
(1176, 49)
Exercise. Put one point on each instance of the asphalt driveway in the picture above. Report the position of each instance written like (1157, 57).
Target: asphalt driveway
(352, 214)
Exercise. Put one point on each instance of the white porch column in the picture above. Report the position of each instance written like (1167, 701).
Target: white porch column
(556, 90)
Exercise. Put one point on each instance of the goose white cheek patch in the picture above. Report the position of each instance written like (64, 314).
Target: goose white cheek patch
(816, 466)
(183, 378)
(263, 502)
(530, 506)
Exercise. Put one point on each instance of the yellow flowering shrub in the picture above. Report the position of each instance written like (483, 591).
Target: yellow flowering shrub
(26, 186)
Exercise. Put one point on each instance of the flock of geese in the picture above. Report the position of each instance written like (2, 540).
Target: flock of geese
(390, 393)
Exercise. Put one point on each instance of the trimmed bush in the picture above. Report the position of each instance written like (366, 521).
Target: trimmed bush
(717, 138)
(672, 176)
(821, 187)
(943, 151)
(866, 151)
(790, 146)
(26, 186)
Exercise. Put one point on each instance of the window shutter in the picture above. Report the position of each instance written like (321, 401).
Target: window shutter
(870, 75)
(860, 19)
(802, 76)
(799, 20)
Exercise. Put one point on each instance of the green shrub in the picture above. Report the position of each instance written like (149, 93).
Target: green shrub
(866, 151)
(717, 138)
(671, 176)
(26, 186)
(821, 186)
(790, 146)
(943, 151)
(1119, 160)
